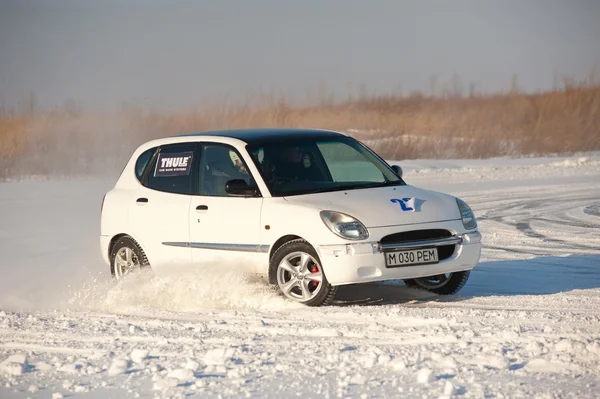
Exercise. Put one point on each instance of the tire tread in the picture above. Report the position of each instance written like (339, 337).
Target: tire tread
(128, 240)
(456, 283)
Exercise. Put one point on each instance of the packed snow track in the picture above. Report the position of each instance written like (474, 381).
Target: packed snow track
(527, 324)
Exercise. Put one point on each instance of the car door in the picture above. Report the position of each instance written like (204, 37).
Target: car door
(160, 211)
(225, 229)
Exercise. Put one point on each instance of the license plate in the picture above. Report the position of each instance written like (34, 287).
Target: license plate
(412, 257)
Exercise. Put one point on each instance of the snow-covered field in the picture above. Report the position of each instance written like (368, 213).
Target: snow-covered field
(526, 325)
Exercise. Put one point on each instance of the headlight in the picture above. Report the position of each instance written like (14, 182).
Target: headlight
(467, 215)
(344, 225)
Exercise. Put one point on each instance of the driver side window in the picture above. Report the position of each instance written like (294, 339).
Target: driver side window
(219, 164)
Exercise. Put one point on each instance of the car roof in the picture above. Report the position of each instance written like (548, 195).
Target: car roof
(251, 136)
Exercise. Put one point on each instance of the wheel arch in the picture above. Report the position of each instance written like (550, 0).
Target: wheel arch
(281, 241)
(113, 242)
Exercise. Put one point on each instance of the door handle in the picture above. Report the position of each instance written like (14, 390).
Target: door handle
(202, 208)
(142, 200)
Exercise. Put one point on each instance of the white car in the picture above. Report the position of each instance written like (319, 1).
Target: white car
(310, 210)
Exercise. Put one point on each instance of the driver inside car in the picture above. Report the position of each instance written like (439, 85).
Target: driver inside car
(291, 164)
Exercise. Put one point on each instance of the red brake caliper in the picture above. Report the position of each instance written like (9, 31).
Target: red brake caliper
(314, 269)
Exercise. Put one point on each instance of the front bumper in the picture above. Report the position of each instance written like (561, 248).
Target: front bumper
(365, 262)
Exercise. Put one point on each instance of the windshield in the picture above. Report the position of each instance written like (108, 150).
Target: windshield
(305, 166)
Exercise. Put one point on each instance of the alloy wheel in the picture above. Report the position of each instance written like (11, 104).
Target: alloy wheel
(300, 276)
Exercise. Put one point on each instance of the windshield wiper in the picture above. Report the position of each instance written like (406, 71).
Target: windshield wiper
(354, 187)
(387, 184)
(333, 188)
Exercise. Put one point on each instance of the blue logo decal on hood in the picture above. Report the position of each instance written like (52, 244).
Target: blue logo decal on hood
(408, 204)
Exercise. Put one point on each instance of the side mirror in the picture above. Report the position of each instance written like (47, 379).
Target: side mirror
(397, 170)
(239, 188)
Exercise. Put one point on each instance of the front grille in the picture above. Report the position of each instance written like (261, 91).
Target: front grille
(415, 235)
(444, 251)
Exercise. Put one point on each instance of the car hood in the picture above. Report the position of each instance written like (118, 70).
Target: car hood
(385, 206)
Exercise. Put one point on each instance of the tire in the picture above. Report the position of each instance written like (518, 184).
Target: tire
(126, 246)
(450, 286)
(296, 269)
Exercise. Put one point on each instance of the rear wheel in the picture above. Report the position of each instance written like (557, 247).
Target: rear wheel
(127, 257)
(296, 269)
(443, 284)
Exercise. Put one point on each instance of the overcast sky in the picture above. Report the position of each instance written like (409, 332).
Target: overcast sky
(180, 53)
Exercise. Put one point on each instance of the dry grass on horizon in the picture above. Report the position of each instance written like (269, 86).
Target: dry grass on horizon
(562, 121)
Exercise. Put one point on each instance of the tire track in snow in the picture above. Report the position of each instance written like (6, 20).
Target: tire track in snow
(592, 210)
(551, 207)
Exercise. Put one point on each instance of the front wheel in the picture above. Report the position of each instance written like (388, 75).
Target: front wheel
(442, 284)
(296, 269)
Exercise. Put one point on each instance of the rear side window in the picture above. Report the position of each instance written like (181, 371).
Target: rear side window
(172, 169)
(142, 162)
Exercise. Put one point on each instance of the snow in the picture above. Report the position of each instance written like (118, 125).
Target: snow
(526, 324)
(139, 355)
(118, 366)
(14, 365)
(425, 376)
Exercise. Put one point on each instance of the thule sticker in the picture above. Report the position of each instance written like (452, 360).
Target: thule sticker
(177, 164)
(406, 204)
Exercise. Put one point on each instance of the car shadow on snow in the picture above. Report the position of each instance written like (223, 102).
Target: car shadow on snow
(542, 275)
